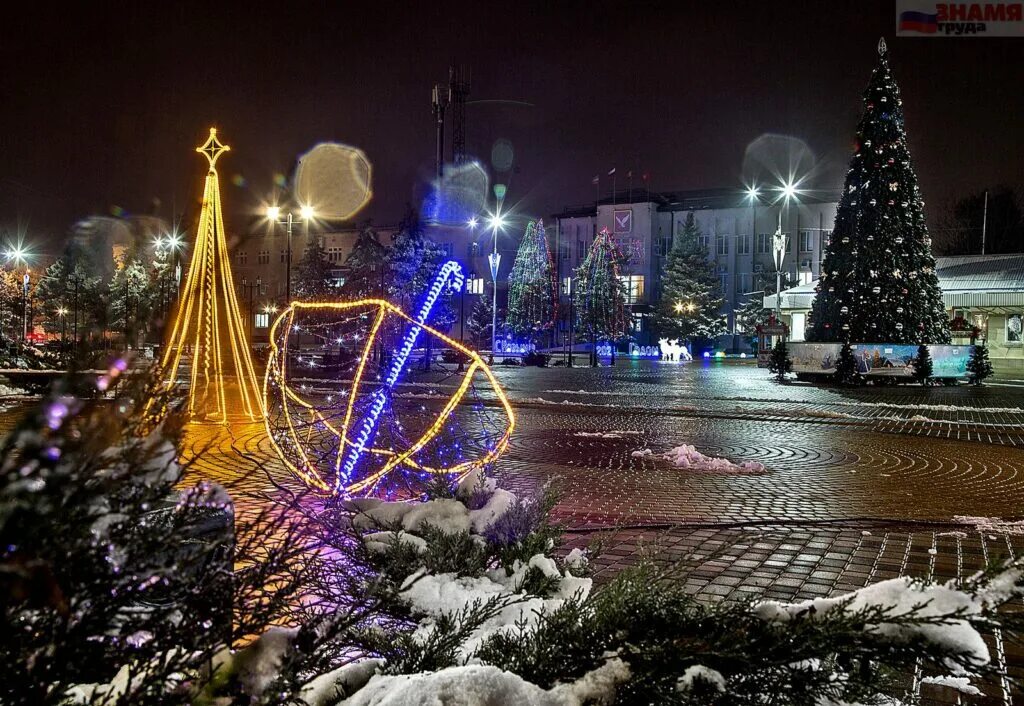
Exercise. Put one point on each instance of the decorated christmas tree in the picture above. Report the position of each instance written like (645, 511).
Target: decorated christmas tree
(878, 280)
(780, 365)
(691, 301)
(599, 297)
(533, 290)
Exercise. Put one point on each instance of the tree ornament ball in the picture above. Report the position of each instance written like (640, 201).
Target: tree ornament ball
(876, 290)
(846, 327)
(899, 327)
(899, 310)
(845, 310)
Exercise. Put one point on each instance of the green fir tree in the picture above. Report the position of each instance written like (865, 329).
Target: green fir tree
(532, 289)
(130, 298)
(313, 278)
(979, 366)
(690, 308)
(600, 299)
(365, 267)
(779, 364)
(846, 366)
(923, 365)
(478, 324)
(878, 280)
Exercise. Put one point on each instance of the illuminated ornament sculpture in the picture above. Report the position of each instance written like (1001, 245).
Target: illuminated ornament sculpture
(208, 326)
(346, 449)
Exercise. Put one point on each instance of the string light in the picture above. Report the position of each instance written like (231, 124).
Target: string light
(208, 311)
(355, 436)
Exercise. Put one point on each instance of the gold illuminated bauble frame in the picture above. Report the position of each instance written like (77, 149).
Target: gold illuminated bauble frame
(277, 394)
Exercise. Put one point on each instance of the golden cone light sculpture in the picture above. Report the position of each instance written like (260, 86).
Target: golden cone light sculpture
(208, 327)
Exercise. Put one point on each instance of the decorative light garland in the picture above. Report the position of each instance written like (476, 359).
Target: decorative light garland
(207, 308)
(351, 472)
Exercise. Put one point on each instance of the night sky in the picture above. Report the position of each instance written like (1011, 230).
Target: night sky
(101, 106)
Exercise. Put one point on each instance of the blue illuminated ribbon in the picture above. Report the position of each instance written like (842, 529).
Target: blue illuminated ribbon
(368, 426)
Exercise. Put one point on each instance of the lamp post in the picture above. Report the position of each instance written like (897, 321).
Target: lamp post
(19, 256)
(63, 314)
(788, 190)
(494, 260)
(306, 213)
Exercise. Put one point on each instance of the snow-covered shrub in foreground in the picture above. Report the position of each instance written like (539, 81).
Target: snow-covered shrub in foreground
(458, 598)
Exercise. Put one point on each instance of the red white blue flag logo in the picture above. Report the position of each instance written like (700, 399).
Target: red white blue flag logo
(922, 22)
(928, 18)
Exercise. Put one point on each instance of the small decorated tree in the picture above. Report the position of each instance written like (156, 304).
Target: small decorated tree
(979, 366)
(923, 365)
(532, 289)
(600, 300)
(365, 267)
(846, 366)
(780, 364)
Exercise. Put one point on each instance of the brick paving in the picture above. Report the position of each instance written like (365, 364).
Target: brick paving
(859, 485)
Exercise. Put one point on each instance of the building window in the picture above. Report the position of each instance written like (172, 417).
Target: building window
(284, 255)
(581, 249)
(723, 284)
(638, 322)
(563, 252)
(722, 245)
(263, 257)
(633, 287)
(743, 245)
(826, 238)
(242, 257)
(764, 243)
(475, 285)
(567, 286)
(744, 282)
(806, 276)
(806, 241)
(664, 246)
(262, 320)
(1013, 328)
(704, 241)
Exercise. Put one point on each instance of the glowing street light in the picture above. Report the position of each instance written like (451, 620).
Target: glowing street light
(273, 214)
(679, 307)
(495, 222)
(788, 190)
(753, 192)
(472, 222)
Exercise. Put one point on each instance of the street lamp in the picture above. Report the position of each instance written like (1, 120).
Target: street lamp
(496, 221)
(63, 314)
(19, 255)
(788, 190)
(273, 213)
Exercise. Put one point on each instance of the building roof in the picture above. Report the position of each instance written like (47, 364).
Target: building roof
(689, 200)
(991, 282)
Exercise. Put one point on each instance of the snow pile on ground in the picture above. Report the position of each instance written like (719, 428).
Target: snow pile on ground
(687, 456)
(995, 525)
(905, 595)
(592, 393)
(612, 434)
(477, 685)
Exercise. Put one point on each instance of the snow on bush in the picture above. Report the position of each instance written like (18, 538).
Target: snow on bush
(474, 685)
